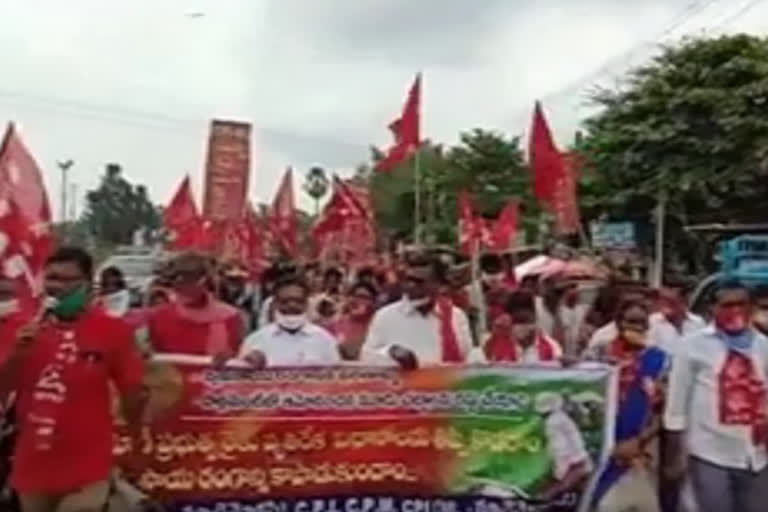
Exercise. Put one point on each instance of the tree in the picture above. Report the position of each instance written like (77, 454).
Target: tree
(489, 165)
(316, 185)
(117, 209)
(691, 127)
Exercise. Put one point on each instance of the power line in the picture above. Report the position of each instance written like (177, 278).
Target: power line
(741, 12)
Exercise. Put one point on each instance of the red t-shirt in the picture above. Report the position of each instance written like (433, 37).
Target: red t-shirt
(171, 333)
(81, 447)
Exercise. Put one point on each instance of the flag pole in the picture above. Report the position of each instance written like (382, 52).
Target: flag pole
(482, 309)
(417, 197)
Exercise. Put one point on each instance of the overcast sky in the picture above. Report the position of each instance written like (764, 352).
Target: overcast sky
(136, 82)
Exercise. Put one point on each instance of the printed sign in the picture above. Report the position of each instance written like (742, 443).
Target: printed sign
(360, 439)
(227, 170)
(613, 235)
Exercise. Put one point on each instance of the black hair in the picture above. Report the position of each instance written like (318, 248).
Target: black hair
(491, 263)
(114, 272)
(728, 285)
(760, 292)
(76, 255)
(365, 285)
(291, 280)
(520, 300)
(629, 304)
(424, 259)
(333, 272)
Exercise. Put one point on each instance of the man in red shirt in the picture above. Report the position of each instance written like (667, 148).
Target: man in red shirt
(196, 322)
(61, 366)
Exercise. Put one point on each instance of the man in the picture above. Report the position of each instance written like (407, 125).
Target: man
(672, 322)
(324, 306)
(236, 292)
(419, 330)
(519, 340)
(717, 403)
(62, 367)
(561, 311)
(196, 322)
(292, 340)
(115, 297)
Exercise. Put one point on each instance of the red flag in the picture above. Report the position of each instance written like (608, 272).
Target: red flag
(502, 233)
(405, 130)
(242, 241)
(25, 216)
(282, 218)
(555, 176)
(470, 231)
(341, 208)
(545, 160)
(183, 222)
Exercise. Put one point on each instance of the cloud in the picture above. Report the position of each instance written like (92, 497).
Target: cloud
(137, 82)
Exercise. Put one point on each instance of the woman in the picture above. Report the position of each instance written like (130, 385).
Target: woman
(626, 479)
(352, 328)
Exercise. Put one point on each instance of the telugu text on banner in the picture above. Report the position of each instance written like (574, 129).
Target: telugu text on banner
(227, 170)
(360, 439)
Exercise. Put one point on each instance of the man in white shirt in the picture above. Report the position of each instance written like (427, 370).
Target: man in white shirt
(717, 403)
(420, 329)
(291, 340)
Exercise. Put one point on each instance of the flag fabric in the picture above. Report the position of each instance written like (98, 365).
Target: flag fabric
(546, 161)
(470, 227)
(554, 175)
(405, 130)
(282, 217)
(242, 241)
(25, 217)
(181, 219)
(502, 233)
(341, 208)
(344, 230)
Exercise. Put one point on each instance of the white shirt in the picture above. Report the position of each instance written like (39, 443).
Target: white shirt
(572, 320)
(400, 324)
(692, 402)
(666, 336)
(530, 355)
(310, 346)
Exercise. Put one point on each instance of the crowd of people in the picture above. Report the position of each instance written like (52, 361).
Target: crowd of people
(692, 403)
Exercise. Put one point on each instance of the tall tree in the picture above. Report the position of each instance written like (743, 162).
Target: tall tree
(117, 209)
(691, 129)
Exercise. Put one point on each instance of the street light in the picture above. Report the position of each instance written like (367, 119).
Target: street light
(64, 166)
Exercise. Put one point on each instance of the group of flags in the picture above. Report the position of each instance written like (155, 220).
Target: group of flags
(346, 224)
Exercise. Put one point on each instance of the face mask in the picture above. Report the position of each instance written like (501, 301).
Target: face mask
(636, 338)
(190, 293)
(8, 307)
(418, 303)
(523, 332)
(291, 322)
(70, 305)
(117, 304)
(732, 320)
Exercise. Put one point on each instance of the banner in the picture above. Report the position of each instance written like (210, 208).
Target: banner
(227, 170)
(361, 439)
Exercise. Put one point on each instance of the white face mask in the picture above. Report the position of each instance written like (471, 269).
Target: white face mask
(117, 304)
(291, 322)
(417, 303)
(8, 307)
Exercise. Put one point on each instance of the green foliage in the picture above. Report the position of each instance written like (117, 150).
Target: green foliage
(488, 165)
(693, 126)
(117, 209)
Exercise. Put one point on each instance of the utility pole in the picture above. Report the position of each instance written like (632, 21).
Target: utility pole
(64, 166)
